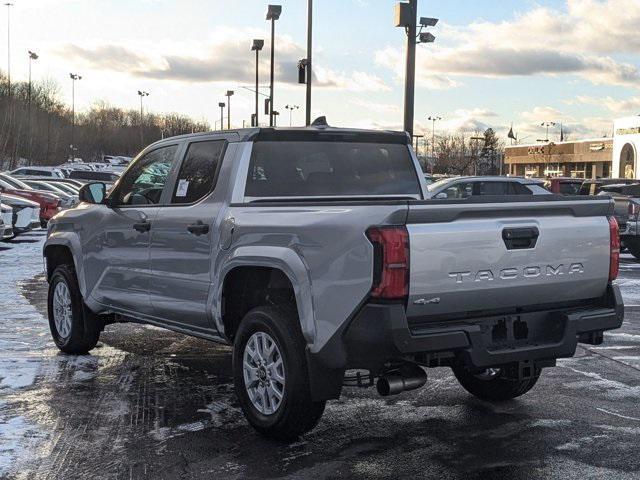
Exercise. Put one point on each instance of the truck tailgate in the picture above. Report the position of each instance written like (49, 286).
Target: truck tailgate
(480, 255)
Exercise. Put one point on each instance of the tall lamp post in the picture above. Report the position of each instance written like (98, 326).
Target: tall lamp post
(222, 105)
(406, 14)
(291, 108)
(74, 77)
(547, 125)
(142, 94)
(433, 120)
(228, 95)
(273, 14)
(257, 46)
(9, 5)
(32, 56)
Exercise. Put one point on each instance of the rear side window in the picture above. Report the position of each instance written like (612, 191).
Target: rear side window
(516, 188)
(197, 175)
(569, 188)
(493, 188)
(330, 168)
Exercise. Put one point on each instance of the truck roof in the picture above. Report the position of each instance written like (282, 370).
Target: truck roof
(318, 132)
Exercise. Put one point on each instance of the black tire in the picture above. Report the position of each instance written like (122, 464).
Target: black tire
(85, 325)
(297, 412)
(633, 245)
(494, 388)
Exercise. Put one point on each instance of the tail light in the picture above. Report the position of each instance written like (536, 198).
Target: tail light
(391, 262)
(614, 249)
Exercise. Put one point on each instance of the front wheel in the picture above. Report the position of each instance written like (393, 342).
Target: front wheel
(74, 328)
(492, 383)
(270, 374)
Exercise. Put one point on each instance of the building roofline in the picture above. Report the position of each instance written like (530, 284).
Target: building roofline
(541, 144)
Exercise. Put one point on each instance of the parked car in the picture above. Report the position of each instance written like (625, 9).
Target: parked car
(25, 215)
(464, 187)
(56, 181)
(317, 250)
(49, 203)
(67, 200)
(564, 185)
(90, 175)
(6, 213)
(626, 198)
(38, 172)
(593, 186)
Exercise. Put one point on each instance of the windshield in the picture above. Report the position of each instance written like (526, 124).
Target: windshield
(329, 168)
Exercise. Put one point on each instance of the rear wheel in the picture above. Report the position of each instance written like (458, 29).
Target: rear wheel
(74, 328)
(493, 384)
(270, 374)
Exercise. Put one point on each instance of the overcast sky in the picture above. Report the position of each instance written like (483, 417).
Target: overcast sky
(495, 62)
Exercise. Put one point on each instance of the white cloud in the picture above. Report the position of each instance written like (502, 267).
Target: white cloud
(542, 41)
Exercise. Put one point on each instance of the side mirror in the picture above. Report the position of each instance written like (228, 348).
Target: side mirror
(94, 192)
(442, 196)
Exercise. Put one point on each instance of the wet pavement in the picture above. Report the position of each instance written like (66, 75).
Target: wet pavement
(149, 403)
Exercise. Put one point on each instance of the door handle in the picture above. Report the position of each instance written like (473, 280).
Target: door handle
(142, 226)
(198, 228)
(520, 238)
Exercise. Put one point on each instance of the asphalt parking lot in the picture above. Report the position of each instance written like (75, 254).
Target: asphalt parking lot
(154, 404)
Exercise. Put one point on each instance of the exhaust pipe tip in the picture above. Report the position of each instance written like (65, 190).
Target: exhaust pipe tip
(410, 377)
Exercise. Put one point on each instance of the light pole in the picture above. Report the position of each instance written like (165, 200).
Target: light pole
(273, 14)
(9, 5)
(222, 105)
(257, 46)
(229, 95)
(142, 94)
(307, 62)
(291, 108)
(406, 14)
(275, 114)
(32, 56)
(433, 120)
(74, 77)
(547, 124)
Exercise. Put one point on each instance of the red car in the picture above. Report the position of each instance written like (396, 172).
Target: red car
(49, 203)
(564, 185)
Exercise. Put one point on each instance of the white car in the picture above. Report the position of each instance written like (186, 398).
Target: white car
(26, 214)
(6, 215)
(38, 172)
(464, 187)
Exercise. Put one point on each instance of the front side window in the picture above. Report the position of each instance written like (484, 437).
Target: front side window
(145, 180)
(198, 171)
(330, 168)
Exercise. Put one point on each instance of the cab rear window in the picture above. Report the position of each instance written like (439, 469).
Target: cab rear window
(329, 168)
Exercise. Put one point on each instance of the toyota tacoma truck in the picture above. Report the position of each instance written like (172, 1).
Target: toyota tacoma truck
(316, 253)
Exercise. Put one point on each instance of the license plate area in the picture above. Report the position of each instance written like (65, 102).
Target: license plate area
(524, 330)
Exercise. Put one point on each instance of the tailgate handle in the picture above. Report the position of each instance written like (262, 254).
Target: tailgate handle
(520, 238)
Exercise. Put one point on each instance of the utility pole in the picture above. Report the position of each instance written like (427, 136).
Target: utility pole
(229, 95)
(273, 14)
(32, 56)
(221, 105)
(9, 5)
(433, 119)
(142, 94)
(74, 77)
(257, 46)
(308, 65)
(406, 16)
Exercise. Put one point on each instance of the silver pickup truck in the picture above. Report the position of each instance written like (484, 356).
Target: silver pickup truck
(316, 254)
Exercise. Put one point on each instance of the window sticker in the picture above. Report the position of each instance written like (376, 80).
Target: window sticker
(183, 186)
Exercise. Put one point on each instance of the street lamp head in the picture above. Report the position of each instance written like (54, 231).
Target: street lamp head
(222, 104)
(428, 22)
(426, 37)
(75, 76)
(273, 12)
(229, 93)
(257, 44)
(33, 55)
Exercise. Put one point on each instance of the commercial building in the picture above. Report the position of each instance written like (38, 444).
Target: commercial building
(626, 145)
(582, 159)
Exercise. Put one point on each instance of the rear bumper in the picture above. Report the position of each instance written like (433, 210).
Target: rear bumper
(378, 334)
